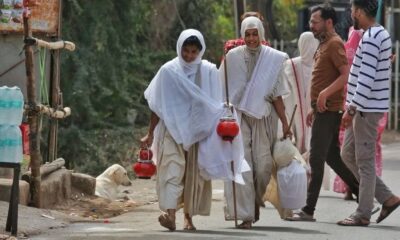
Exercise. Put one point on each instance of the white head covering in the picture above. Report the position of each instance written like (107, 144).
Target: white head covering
(308, 44)
(190, 68)
(251, 23)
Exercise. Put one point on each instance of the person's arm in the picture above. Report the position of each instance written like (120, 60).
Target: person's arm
(279, 107)
(337, 85)
(147, 140)
(338, 58)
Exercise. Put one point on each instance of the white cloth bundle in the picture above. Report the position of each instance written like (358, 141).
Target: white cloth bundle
(292, 185)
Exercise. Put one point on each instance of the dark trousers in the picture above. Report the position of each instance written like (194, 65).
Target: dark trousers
(325, 147)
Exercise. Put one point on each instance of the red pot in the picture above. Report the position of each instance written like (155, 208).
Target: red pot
(144, 169)
(228, 128)
(145, 154)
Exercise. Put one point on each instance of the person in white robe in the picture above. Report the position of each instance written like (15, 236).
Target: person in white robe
(186, 104)
(256, 86)
(298, 71)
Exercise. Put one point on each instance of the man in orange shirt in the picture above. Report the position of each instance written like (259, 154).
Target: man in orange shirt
(328, 79)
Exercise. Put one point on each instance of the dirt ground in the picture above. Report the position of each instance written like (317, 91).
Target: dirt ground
(92, 207)
(80, 208)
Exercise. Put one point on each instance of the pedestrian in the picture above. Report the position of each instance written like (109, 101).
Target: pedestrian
(299, 71)
(240, 41)
(256, 86)
(186, 104)
(329, 77)
(338, 185)
(368, 94)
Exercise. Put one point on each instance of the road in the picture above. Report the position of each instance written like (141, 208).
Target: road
(142, 223)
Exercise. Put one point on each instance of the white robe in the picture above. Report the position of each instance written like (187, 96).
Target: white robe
(252, 98)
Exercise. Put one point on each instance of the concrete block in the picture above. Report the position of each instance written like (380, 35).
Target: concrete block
(5, 191)
(84, 183)
(55, 188)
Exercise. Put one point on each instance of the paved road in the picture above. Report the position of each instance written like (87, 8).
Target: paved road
(142, 223)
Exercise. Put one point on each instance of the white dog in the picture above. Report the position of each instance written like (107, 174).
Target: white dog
(108, 182)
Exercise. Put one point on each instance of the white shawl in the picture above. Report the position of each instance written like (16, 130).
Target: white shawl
(252, 96)
(191, 113)
(300, 88)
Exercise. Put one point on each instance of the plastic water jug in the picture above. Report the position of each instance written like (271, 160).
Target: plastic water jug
(11, 105)
(10, 144)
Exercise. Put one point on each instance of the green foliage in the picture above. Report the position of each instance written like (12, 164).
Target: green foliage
(120, 46)
(285, 17)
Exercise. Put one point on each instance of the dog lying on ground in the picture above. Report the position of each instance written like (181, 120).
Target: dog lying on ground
(108, 182)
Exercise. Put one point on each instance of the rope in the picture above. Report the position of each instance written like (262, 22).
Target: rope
(44, 93)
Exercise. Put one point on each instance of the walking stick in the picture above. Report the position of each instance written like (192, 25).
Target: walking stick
(292, 118)
(291, 122)
(232, 163)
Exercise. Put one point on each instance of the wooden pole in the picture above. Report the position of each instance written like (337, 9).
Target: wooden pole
(55, 93)
(232, 163)
(34, 136)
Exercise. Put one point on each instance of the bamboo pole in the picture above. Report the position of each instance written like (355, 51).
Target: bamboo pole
(34, 136)
(55, 93)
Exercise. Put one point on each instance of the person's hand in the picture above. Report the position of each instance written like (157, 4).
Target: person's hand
(146, 141)
(321, 102)
(347, 120)
(287, 132)
(310, 118)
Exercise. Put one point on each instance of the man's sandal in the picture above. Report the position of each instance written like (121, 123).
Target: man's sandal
(386, 211)
(354, 222)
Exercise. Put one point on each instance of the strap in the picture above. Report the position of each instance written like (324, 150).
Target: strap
(301, 105)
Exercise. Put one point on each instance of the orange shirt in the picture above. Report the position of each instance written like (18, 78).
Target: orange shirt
(329, 57)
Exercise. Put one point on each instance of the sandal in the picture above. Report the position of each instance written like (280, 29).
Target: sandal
(244, 225)
(301, 216)
(386, 211)
(167, 222)
(353, 222)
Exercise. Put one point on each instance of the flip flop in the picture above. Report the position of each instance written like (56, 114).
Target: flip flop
(166, 222)
(353, 222)
(386, 211)
(301, 217)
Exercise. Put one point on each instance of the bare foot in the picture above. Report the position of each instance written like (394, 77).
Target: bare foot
(188, 223)
(167, 220)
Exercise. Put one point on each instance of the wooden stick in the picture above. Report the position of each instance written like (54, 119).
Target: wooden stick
(70, 46)
(53, 113)
(232, 163)
(234, 194)
(293, 113)
(34, 136)
(291, 121)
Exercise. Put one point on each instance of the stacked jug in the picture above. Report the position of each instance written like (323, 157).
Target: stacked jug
(11, 111)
